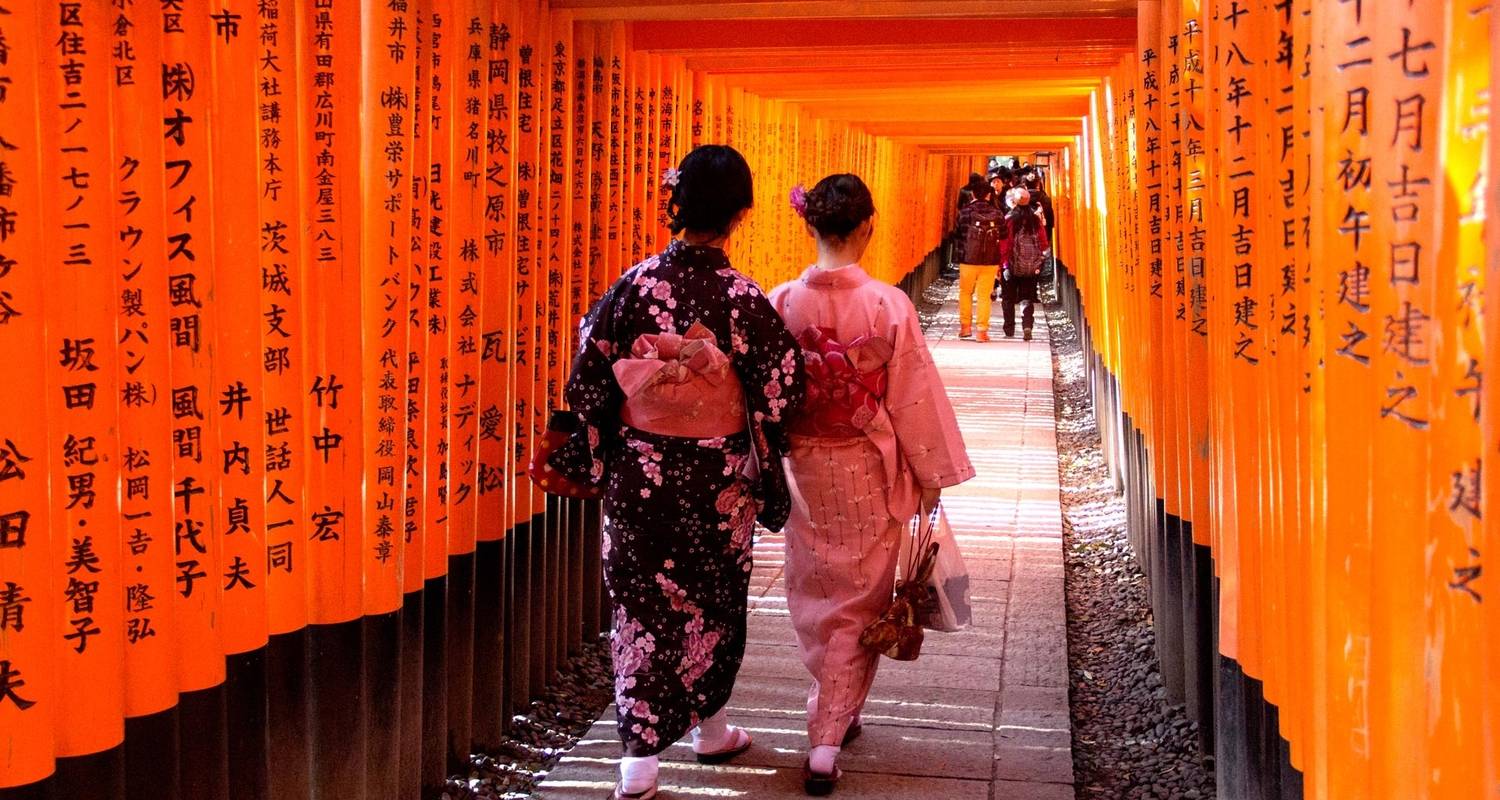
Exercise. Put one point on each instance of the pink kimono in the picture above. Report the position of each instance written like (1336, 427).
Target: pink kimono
(876, 428)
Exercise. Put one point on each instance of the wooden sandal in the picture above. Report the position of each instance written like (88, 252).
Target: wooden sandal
(721, 756)
(819, 784)
(645, 794)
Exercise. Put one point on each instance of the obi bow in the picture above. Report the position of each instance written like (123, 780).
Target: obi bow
(680, 385)
(846, 385)
(845, 382)
(669, 358)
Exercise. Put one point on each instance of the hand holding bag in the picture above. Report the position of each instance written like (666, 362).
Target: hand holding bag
(898, 634)
(944, 604)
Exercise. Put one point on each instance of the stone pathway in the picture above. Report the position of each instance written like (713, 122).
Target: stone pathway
(983, 714)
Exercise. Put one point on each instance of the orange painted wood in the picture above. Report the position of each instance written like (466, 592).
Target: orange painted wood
(387, 151)
(80, 381)
(674, 9)
(332, 182)
(30, 596)
(194, 449)
(832, 33)
(238, 356)
(284, 305)
(465, 300)
(139, 263)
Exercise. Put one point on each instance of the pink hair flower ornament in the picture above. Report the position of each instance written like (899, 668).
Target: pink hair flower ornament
(798, 199)
(670, 177)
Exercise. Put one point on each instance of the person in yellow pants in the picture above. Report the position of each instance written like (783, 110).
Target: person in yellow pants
(972, 279)
(980, 229)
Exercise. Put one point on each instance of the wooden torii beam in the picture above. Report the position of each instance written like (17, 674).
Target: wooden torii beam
(844, 9)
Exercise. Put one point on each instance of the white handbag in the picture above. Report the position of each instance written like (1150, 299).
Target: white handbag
(946, 607)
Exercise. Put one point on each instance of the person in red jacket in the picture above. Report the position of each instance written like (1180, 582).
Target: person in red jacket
(1024, 251)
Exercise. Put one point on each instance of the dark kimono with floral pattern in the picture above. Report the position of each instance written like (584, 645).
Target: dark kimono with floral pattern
(679, 513)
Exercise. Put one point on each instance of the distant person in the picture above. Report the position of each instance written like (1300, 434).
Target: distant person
(1025, 252)
(1032, 183)
(980, 230)
(965, 196)
(1000, 183)
(876, 440)
(966, 192)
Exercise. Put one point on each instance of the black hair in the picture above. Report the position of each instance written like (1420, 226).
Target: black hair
(713, 185)
(1024, 220)
(983, 191)
(839, 204)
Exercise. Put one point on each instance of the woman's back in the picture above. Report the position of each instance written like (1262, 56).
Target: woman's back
(846, 300)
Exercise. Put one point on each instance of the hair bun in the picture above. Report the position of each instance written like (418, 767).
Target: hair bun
(839, 204)
(711, 186)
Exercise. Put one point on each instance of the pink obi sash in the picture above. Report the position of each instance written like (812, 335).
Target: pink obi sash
(846, 388)
(681, 385)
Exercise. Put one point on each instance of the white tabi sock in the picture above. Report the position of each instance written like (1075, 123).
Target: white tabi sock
(638, 774)
(713, 734)
(823, 759)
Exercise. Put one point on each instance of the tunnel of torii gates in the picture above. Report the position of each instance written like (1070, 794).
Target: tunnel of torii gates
(288, 286)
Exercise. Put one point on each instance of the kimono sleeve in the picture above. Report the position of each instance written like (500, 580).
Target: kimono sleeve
(926, 428)
(592, 391)
(768, 361)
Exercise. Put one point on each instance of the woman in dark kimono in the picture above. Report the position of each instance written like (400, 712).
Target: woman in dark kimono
(683, 376)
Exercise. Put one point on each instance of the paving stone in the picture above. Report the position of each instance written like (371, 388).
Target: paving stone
(931, 670)
(936, 752)
(890, 705)
(944, 671)
(692, 781)
(1032, 603)
(981, 640)
(1037, 657)
(1040, 763)
(1017, 790)
(1034, 715)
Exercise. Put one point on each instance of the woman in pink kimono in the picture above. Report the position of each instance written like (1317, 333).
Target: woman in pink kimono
(876, 438)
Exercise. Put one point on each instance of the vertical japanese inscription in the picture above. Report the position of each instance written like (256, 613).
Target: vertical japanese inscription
(465, 301)
(283, 319)
(1343, 244)
(498, 313)
(335, 512)
(529, 373)
(432, 320)
(407, 381)
(144, 353)
(238, 402)
(559, 221)
(27, 602)
(391, 53)
(82, 377)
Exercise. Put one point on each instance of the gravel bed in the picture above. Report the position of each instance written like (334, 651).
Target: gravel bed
(540, 737)
(1129, 743)
(932, 300)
